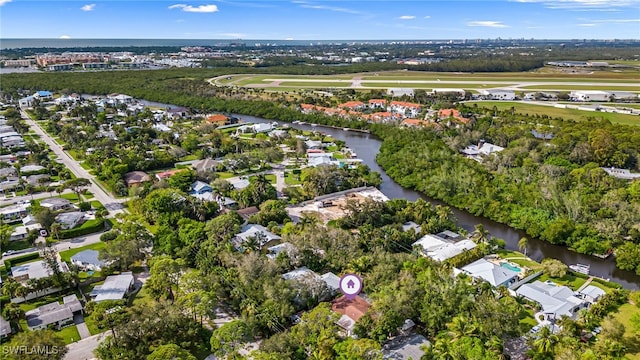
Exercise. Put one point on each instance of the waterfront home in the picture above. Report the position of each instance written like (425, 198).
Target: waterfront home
(554, 300)
(443, 246)
(495, 275)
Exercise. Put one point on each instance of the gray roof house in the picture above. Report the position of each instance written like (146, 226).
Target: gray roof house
(54, 313)
(591, 293)
(55, 203)
(69, 220)
(555, 300)
(407, 348)
(493, 274)
(254, 230)
(205, 165)
(307, 279)
(5, 328)
(88, 259)
(34, 270)
(115, 287)
(285, 247)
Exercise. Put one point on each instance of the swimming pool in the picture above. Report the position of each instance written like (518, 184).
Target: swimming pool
(506, 265)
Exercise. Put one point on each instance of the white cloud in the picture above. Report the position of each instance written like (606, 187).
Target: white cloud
(64, 37)
(580, 5)
(619, 21)
(428, 17)
(407, 17)
(195, 9)
(307, 5)
(2, 2)
(493, 24)
(88, 7)
(587, 25)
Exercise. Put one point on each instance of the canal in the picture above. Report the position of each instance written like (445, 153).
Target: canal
(366, 146)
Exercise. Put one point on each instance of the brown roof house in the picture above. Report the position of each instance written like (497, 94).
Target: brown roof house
(351, 310)
(136, 178)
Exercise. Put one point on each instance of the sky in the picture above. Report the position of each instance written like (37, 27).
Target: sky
(321, 20)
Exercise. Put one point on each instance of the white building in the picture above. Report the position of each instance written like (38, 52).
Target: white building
(493, 274)
(115, 287)
(443, 246)
(476, 152)
(555, 300)
(589, 95)
(497, 94)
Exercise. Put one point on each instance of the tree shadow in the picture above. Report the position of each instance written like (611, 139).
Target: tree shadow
(632, 343)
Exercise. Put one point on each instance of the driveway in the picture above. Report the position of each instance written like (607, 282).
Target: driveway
(83, 330)
(83, 349)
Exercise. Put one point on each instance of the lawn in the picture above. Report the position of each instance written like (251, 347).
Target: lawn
(570, 280)
(225, 175)
(271, 177)
(632, 339)
(338, 156)
(527, 321)
(97, 205)
(551, 111)
(141, 297)
(291, 179)
(67, 254)
(70, 196)
(518, 258)
(69, 334)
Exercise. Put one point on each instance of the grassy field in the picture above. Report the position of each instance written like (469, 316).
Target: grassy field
(632, 339)
(533, 109)
(315, 84)
(67, 254)
(291, 179)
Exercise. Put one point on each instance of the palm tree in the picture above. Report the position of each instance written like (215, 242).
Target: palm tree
(13, 313)
(522, 245)
(11, 287)
(545, 342)
(461, 327)
(480, 234)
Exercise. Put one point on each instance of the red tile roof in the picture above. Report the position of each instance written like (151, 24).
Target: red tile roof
(351, 104)
(217, 118)
(354, 308)
(167, 174)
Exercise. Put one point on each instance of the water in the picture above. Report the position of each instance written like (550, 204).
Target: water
(510, 267)
(367, 146)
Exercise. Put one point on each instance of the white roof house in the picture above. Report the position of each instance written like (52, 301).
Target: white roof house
(88, 259)
(555, 300)
(21, 232)
(621, 173)
(69, 220)
(591, 293)
(275, 250)
(115, 287)
(253, 230)
(498, 94)
(483, 148)
(493, 274)
(589, 95)
(34, 270)
(55, 203)
(440, 248)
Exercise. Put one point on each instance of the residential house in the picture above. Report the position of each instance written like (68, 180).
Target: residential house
(406, 348)
(69, 220)
(253, 231)
(27, 101)
(477, 152)
(88, 260)
(205, 165)
(38, 179)
(351, 310)
(136, 178)
(34, 270)
(246, 213)
(460, 93)
(5, 328)
(495, 275)
(56, 203)
(8, 172)
(352, 105)
(43, 95)
(377, 104)
(115, 287)
(554, 300)
(443, 246)
(218, 119)
(452, 114)
(317, 286)
(285, 247)
(404, 108)
(167, 174)
(28, 169)
(54, 314)
(22, 232)
(200, 187)
(591, 293)
(412, 225)
(14, 213)
(239, 183)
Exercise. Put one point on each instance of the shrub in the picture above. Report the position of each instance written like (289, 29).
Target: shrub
(20, 259)
(108, 236)
(89, 227)
(84, 206)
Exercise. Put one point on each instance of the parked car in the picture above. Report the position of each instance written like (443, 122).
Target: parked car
(9, 252)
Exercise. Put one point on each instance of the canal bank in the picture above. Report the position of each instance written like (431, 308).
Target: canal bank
(367, 146)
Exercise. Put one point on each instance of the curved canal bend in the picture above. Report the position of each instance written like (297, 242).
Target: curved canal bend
(366, 146)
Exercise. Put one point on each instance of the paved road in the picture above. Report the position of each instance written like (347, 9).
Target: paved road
(62, 245)
(83, 349)
(111, 203)
(10, 200)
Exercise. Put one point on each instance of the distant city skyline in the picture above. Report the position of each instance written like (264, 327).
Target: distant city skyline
(321, 20)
